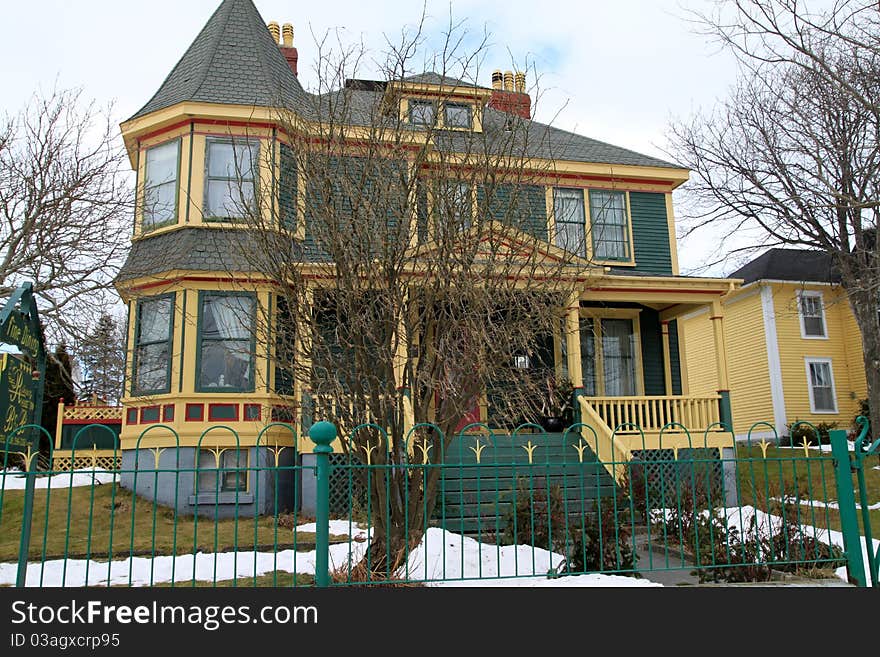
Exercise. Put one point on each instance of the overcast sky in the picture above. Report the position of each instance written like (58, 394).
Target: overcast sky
(614, 70)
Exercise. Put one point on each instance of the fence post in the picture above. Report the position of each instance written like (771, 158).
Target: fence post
(27, 517)
(849, 521)
(322, 434)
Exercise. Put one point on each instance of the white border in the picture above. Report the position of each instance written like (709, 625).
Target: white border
(774, 365)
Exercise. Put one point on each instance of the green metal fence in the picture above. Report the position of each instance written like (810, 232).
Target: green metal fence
(481, 506)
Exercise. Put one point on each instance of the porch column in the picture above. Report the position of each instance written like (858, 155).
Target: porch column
(573, 346)
(724, 410)
(667, 359)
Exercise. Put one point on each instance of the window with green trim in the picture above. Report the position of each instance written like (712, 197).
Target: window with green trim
(152, 345)
(160, 184)
(609, 225)
(231, 172)
(569, 222)
(226, 342)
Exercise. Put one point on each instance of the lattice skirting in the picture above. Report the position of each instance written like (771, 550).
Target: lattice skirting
(84, 462)
(697, 471)
(347, 491)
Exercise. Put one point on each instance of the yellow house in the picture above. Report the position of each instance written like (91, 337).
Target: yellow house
(793, 346)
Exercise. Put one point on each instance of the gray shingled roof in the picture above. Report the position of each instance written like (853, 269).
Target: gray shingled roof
(797, 265)
(233, 61)
(195, 249)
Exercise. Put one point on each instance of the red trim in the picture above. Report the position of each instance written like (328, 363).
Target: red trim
(654, 289)
(166, 416)
(128, 414)
(149, 408)
(251, 407)
(228, 136)
(716, 316)
(552, 176)
(180, 124)
(189, 407)
(213, 407)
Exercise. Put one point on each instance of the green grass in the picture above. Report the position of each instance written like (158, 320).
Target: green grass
(139, 527)
(787, 472)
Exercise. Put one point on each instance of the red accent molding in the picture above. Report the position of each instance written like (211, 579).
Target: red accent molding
(168, 413)
(212, 408)
(256, 417)
(128, 415)
(150, 408)
(193, 407)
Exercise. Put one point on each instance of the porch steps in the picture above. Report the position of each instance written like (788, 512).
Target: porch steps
(478, 498)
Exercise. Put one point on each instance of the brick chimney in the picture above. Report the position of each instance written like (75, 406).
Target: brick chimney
(509, 94)
(284, 38)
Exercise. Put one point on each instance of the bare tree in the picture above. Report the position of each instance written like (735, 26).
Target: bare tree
(102, 357)
(65, 203)
(792, 157)
(414, 275)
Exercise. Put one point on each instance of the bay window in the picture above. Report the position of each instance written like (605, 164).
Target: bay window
(226, 342)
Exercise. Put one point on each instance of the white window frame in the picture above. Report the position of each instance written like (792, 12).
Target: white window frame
(800, 308)
(807, 362)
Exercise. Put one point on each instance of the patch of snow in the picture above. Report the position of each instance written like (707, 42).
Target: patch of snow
(825, 505)
(15, 479)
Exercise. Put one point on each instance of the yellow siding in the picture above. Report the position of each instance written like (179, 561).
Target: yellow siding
(748, 371)
(793, 349)
(750, 397)
(698, 351)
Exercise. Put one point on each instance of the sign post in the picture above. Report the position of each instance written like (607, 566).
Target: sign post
(21, 398)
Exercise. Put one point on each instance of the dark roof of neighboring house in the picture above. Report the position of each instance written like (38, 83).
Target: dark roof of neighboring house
(430, 77)
(233, 60)
(797, 265)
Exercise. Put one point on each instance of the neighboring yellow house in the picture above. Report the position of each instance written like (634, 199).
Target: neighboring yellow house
(793, 346)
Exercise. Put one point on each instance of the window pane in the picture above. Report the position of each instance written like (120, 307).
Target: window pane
(160, 204)
(162, 164)
(588, 356)
(619, 367)
(229, 198)
(152, 367)
(232, 160)
(458, 116)
(568, 211)
(812, 314)
(609, 225)
(822, 386)
(421, 113)
(229, 317)
(155, 320)
(234, 479)
(207, 482)
(226, 364)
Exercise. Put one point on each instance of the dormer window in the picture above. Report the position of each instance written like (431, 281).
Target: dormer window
(160, 185)
(421, 112)
(457, 116)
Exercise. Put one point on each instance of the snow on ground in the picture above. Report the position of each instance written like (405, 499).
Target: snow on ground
(440, 555)
(819, 504)
(741, 518)
(15, 479)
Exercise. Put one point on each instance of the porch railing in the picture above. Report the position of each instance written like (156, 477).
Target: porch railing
(654, 413)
